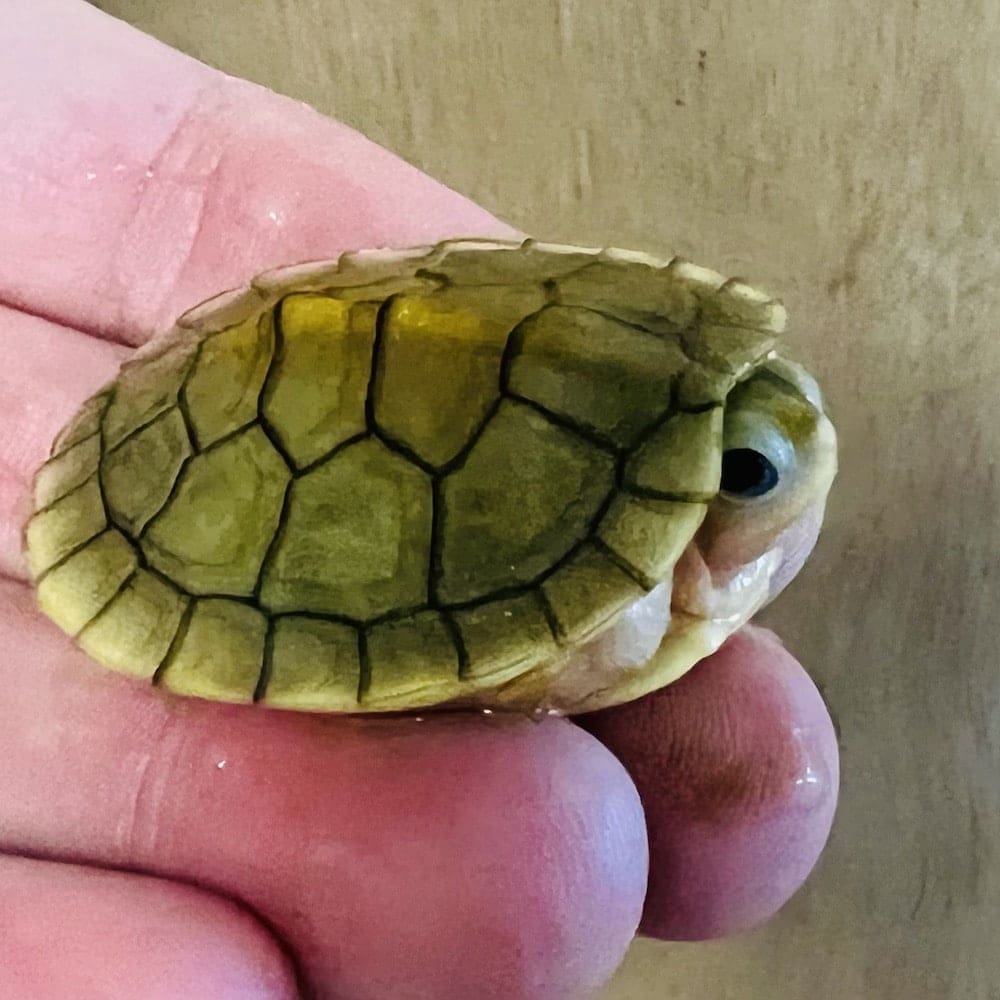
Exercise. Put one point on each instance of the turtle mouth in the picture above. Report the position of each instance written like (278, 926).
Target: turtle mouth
(699, 607)
(728, 597)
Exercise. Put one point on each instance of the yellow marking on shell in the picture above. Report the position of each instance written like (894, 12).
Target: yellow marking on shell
(439, 364)
(315, 395)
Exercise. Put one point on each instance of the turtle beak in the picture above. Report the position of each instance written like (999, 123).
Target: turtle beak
(729, 596)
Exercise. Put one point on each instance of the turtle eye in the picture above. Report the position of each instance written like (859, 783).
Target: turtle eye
(758, 460)
(747, 473)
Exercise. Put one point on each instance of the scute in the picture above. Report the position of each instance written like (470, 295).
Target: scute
(75, 591)
(138, 474)
(411, 662)
(212, 536)
(402, 479)
(600, 374)
(145, 389)
(315, 396)
(497, 651)
(525, 496)
(355, 539)
(588, 592)
(315, 665)
(133, 631)
(71, 468)
(64, 526)
(446, 347)
(223, 386)
(218, 652)
(681, 459)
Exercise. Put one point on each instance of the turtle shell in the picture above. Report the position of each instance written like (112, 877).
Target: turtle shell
(398, 480)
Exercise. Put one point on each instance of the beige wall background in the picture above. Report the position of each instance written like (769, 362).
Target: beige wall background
(847, 156)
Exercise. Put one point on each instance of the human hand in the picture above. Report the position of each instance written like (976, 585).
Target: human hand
(160, 847)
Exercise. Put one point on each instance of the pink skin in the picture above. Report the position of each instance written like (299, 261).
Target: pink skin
(193, 943)
(454, 857)
(740, 757)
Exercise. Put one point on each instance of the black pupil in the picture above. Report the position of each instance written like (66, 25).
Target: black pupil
(747, 473)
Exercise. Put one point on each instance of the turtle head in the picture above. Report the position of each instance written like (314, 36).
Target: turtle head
(779, 459)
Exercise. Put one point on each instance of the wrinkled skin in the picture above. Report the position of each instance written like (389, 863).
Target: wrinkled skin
(152, 843)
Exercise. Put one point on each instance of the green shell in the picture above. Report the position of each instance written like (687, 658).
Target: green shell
(403, 479)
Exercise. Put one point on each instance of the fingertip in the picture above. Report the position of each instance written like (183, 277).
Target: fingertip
(737, 767)
(73, 931)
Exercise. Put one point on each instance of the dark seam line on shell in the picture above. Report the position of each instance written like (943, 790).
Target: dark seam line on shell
(648, 493)
(321, 616)
(431, 275)
(266, 665)
(326, 456)
(405, 450)
(69, 493)
(439, 277)
(459, 642)
(364, 666)
(171, 496)
(78, 548)
(182, 400)
(266, 392)
(375, 371)
(175, 644)
(621, 463)
(435, 568)
(551, 618)
(397, 614)
(519, 589)
(592, 437)
(119, 590)
(72, 447)
(693, 329)
(659, 420)
(696, 408)
(228, 436)
(235, 598)
(139, 429)
(458, 460)
(105, 395)
(163, 578)
(660, 336)
(513, 347)
(274, 366)
(272, 435)
(272, 545)
(633, 572)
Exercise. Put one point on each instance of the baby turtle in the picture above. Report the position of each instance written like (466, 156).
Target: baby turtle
(479, 473)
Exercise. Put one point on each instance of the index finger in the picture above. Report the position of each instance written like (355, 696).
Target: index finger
(142, 182)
